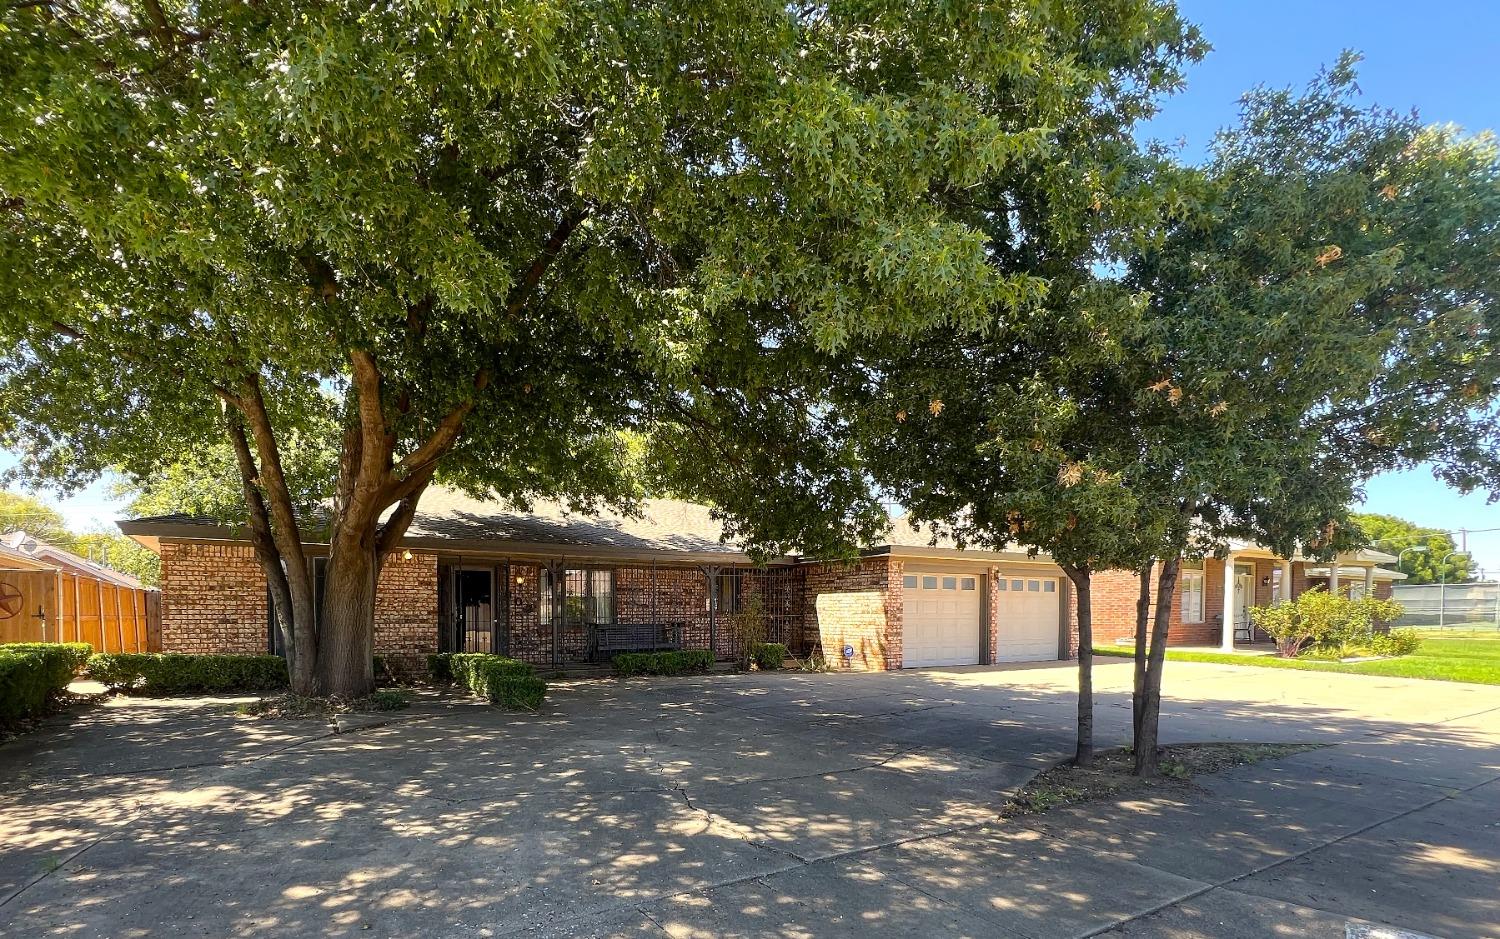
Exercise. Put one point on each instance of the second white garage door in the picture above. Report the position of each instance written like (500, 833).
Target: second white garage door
(1030, 616)
(941, 624)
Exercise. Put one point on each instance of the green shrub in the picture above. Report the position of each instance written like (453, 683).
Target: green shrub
(749, 628)
(504, 681)
(681, 662)
(387, 699)
(1334, 625)
(1396, 642)
(440, 668)
(32, 674)
(768, 656)
(164, 673)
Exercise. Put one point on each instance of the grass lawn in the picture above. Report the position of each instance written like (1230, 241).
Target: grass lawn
(1475, 660)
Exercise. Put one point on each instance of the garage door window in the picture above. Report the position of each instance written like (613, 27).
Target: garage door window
(929, 583)
(950, 583)
(1034, 586)
(1049, 586)
(1017, 585)
(910, 580)
(968, 583)
(1001, 584)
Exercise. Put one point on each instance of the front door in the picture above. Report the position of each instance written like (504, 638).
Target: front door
(474, 614)
(1244, 594)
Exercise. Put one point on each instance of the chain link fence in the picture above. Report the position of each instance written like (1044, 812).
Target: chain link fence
(1451, 606)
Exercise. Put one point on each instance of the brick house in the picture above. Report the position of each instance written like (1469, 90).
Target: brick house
(558, 588)
(1214, 595)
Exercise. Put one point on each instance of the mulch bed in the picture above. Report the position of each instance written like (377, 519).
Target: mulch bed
(1112, 778)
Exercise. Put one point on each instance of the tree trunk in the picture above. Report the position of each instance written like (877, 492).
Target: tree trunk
(1149, 733)
(1082, 578)
(346, 663)
(1142, 621)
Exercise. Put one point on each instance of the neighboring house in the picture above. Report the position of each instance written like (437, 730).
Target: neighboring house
(1214, 596)
(51, 595)
(557, 589)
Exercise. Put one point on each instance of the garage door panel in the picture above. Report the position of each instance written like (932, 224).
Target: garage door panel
(941, 620)
(1029, 619)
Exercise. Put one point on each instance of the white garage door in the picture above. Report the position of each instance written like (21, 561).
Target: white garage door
(1029, 614)
(940, 624)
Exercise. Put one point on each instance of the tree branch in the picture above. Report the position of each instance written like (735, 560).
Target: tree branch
(519, 294)
(261, 538)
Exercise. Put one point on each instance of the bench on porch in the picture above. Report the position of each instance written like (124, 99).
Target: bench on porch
(610, 639)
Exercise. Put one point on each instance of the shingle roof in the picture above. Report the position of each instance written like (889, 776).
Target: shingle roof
(22, 545)
(667, 525)
(447, 517)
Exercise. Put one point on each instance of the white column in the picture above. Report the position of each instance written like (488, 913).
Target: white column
(1333, 576)
(1286, 581)
(1370, 581)
(1227, 641)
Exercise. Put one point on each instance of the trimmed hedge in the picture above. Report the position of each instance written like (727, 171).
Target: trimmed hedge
(681, 662)
(32, 674)
(164, 673)
(768, 656)
(504, 681)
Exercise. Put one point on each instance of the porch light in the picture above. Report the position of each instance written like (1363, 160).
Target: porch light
(406, 555)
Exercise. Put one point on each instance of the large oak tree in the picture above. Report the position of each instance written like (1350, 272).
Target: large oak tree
(483, 240)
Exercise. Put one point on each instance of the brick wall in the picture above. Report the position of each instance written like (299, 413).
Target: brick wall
(1115, 595)
(213, 599)
(860, 605)
(406, 613)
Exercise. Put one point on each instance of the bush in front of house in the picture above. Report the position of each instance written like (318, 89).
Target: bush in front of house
(503, 681)
(33, 674)
(768, 656)
(165, 673)
(681, 662)
(1334, 626)
(1396, 642)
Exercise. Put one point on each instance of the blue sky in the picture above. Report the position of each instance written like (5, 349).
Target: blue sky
(1438, 57)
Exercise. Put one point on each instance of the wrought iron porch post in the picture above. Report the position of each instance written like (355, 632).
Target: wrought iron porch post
(711, 571)
(558, 570)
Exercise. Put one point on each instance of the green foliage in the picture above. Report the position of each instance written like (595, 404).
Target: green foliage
(169, 673)
(1396, 642)
(768, 656)
(1333, 625)
(680, 662)
(38, 519)
(1394, 535)
(32, 674)
(388, 700)
(46, 524)
(749, 628)
(440, 668)
(503, 681)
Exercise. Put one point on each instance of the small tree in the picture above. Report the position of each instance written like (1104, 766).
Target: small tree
(1326, 310)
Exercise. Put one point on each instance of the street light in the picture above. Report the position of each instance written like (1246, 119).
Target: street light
(1414, 549)
(1443, 582)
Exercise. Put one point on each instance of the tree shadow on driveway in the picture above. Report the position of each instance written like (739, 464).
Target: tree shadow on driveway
(762, 804)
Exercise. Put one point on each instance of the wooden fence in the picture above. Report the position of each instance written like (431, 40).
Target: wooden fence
(59, 606)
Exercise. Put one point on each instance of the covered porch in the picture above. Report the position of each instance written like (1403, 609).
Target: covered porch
(582, 610)
(1253, 576)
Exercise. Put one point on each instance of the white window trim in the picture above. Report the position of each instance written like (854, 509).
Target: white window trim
(1196, 577)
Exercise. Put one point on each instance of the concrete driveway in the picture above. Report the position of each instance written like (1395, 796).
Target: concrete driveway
(783, 804)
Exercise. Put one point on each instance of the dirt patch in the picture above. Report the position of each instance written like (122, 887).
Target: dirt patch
(1111, 777)
(296, 707)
